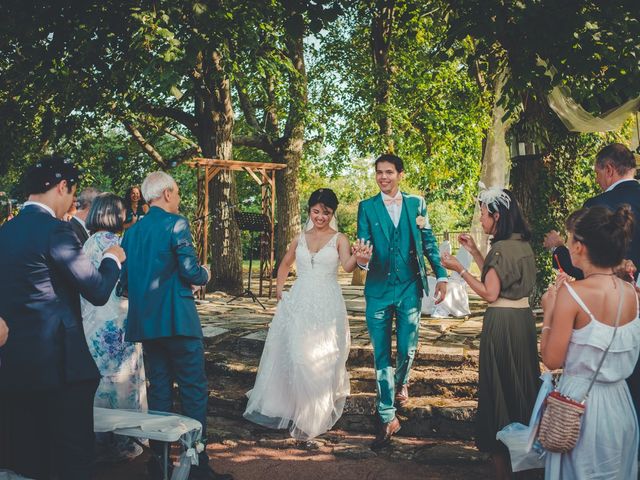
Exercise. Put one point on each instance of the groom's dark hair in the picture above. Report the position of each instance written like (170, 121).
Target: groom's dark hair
(396, 160)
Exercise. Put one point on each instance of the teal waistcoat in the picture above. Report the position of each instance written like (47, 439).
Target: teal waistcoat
(403, 264)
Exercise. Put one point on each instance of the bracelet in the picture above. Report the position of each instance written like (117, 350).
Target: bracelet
(463, 271)
(546, 327)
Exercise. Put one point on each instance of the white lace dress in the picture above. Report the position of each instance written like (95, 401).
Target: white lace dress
(608, 444)
(302, 380)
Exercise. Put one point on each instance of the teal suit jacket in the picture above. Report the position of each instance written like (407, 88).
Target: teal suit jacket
(160, 268)
(372, 226)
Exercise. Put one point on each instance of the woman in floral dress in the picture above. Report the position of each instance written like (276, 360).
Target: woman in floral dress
(120, 363)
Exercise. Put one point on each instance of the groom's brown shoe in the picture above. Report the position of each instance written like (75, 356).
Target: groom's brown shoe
(402, 395)
(386, 432)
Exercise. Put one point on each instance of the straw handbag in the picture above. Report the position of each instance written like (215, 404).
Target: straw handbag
(562, 416)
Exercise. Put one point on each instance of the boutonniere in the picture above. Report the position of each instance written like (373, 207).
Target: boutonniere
(421, 221)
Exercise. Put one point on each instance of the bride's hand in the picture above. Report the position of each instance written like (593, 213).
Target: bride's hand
(278, 294)
(362, 250)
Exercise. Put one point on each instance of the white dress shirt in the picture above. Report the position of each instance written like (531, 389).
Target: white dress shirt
(395, 210)
(41, 205)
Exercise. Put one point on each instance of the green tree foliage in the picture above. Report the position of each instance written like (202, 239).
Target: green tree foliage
(436, 111)
(591, 45)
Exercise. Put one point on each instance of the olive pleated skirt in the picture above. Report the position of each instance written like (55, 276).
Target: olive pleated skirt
(509, 375)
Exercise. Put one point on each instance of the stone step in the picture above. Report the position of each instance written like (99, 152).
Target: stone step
(453, 382)
(427, 416)
(251, 345)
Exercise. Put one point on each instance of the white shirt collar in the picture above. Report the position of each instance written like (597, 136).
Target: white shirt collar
(388, 197)
(614, 185)
(41, 205)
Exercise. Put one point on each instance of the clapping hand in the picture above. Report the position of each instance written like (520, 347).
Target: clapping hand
(468, 243)
(626, 271)
(552, 240)
(4, 332)
(362, 250)
(548, 300)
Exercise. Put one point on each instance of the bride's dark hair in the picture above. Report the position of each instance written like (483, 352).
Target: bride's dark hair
(325, 196)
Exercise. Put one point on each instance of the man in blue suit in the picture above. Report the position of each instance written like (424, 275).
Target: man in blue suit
(615, 169)
(161, 269)
(48, 378)
(397, 226)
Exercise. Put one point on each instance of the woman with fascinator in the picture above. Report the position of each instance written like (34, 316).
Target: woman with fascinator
(302, 380)
(509, 368)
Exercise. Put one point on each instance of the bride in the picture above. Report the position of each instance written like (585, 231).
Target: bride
(302, 381)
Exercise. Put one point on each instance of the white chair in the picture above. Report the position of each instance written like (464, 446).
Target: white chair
(456, 302)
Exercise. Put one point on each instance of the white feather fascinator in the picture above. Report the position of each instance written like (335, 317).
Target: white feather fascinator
(493, 196)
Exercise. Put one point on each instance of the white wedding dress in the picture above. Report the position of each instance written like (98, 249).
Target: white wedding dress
(302, 380)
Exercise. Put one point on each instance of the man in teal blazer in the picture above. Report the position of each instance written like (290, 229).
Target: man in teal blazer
(160, 271)
(397, 226)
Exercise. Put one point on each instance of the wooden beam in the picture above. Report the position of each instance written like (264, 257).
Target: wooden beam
(234, 164)
(212, 172)
(253, 175)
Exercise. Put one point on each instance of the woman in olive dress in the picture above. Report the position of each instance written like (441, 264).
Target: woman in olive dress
(509, 368)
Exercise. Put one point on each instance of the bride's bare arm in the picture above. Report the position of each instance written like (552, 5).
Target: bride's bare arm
(347, 260)
(285, 266)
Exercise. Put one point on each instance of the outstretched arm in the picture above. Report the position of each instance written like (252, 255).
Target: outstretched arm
(93, 284)
(364, 238)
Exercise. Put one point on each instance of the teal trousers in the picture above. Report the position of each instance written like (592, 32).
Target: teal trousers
(403, 301)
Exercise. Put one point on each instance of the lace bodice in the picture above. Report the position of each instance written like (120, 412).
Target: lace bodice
(323, 263)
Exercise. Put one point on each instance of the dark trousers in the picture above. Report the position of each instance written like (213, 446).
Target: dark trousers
(180, 360)
(49, 434)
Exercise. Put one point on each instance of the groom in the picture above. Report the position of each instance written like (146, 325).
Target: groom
(397, 226)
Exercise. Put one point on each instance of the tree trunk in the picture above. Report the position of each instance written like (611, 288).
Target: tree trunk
(215, 118)
(494, 171)
(292, 142)
(288, 198)
(381, 32)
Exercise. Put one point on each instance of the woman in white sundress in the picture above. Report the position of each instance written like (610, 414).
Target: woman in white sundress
(579, 325)
(302, 380)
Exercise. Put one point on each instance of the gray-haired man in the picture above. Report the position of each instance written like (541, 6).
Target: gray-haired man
(77, 222)
(161, 268)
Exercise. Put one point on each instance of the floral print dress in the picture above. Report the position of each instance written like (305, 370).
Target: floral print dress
(120, 363)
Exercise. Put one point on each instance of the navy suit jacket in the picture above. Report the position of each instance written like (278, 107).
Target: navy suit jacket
(160, 268)
(627, 192)
(44, 272)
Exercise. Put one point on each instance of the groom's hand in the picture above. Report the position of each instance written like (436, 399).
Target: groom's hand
(362, 250)
(441, 291)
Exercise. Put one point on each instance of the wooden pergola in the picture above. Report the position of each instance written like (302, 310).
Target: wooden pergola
(264, 175)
